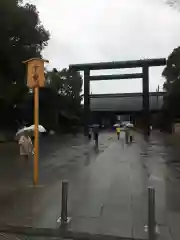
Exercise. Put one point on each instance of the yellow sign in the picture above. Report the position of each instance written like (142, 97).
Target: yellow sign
(35, 72)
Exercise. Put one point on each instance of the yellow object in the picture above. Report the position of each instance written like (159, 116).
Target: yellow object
(36, 79)
(36, 135)
(35, 72)
(118, 129)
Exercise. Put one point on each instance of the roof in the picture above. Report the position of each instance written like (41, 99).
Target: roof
(125, 102)
(120, 95)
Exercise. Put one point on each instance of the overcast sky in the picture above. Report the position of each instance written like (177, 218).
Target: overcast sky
(110, 30)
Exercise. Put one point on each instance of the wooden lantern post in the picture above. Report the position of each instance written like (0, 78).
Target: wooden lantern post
(35, 80)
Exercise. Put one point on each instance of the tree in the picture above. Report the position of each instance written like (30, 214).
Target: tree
(68, 86)
(171, 72)
(22, 37)
(62, 94)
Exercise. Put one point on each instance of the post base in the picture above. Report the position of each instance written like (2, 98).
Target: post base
(59, 220)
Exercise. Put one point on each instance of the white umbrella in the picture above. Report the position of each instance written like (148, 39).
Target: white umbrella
(95, 125)
(32, 128)
(116, 125)
(20, 131)
(129, 125)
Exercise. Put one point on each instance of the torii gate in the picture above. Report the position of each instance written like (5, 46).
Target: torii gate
(144, 64)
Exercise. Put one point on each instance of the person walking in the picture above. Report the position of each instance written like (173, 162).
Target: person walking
(131, 134)
(96, 135)
(26, 146)
(126, 130)
(118, 130)
(90, 134)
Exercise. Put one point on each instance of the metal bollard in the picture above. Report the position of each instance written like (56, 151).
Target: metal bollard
(126, 137)
(64, 216)
(151, 214)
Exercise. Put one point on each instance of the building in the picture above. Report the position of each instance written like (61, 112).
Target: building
(106, 109)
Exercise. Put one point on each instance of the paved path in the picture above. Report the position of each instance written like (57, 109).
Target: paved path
(114, 194)
(108, 190)
(60, 158)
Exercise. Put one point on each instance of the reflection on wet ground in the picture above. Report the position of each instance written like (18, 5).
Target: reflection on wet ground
(108, 187)
(162, 163)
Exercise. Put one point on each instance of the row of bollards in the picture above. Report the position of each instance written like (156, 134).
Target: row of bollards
(151, 228)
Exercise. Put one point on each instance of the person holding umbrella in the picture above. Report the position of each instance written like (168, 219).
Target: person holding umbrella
(26, 146)
(130, 132)
(118, 130)
(90, 133)
(25, 143)
(96, 134)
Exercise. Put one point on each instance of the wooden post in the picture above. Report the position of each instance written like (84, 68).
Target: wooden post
(36, 136)
(35, 80)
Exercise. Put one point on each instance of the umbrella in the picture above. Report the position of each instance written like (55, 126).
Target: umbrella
(129, 125)
(30, 128)
(94, 125)
(20, 131)
(116, 125)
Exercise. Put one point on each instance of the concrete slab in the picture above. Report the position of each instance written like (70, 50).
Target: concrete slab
(165, 233)
(85, 224)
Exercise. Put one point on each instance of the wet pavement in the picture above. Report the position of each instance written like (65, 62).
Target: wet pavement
(107, 188)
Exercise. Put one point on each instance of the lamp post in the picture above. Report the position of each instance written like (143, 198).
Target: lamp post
(35, 80)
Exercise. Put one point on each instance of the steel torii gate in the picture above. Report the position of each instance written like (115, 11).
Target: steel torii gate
(144, 64)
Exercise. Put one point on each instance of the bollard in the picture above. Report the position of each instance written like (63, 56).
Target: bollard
(151, 214)
(126, 136)
(64, 217)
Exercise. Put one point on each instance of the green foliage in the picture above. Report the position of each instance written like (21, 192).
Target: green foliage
(62, 93)
(171, 73)
(22, 37)
(68, 87)
(172, 69)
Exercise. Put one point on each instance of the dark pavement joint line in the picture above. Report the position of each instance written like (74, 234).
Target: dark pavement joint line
(54, 232)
